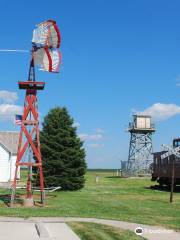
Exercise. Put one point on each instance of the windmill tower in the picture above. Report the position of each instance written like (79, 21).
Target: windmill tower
(140, 149)
(46, 55)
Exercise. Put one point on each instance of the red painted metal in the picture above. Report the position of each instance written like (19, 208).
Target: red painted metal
(58, 34)
(29, 143)
(49, 58)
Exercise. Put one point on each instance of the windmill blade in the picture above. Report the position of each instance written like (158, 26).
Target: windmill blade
(48, 59)
(47, 34)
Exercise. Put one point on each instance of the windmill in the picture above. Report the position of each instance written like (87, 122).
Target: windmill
(46, 55)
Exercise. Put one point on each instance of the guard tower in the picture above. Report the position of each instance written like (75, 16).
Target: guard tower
(140, 149)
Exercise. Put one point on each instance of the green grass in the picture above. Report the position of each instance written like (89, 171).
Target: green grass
(112, 198)
(92, 231)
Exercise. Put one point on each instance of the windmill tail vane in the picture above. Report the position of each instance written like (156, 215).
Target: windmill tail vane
(15, 50)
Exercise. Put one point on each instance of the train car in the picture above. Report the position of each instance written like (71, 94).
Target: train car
(162, 167)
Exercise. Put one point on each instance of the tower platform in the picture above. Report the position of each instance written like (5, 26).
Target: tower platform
(31, 85)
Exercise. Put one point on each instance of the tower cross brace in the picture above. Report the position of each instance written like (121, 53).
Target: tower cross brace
(140, 152)
(29, 153)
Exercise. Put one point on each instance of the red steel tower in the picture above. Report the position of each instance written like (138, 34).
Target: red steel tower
(45, 53)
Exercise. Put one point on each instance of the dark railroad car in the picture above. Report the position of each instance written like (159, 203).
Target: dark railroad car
(162, 168)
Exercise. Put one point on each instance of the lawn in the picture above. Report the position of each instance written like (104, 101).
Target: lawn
(91, 231)
(112, 198)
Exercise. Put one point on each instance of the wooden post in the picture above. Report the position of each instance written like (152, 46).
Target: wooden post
(97, 179)
(172, 181)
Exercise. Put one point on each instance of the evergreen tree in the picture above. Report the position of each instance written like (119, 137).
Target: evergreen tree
(62, 151)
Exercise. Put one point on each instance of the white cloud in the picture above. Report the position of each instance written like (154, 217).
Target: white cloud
(8, 108)
(96, 145)
(100, 130)
(8, 97)
(162, 111)
(95, 136)
(83, 136)
(91, 137)
(7, 111)
(76, 124)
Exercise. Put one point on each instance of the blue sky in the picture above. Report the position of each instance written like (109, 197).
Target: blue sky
(118, 57)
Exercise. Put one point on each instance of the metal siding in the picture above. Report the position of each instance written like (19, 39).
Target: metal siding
(148, 122)
(143, 122)
(140, 122)
(7, 166)
(4, 165)
(13, 166)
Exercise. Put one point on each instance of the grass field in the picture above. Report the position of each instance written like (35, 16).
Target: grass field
(91, 231)
(112, 198)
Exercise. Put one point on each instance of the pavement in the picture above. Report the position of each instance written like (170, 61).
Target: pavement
(22, 229)
(46, 228)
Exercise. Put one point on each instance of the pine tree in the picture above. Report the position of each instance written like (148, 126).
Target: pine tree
(62, 151)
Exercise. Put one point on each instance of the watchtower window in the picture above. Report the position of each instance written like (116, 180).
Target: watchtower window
(176, 143)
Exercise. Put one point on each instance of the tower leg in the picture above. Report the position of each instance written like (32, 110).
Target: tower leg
(140, 151)
(29, 145)
(42, 185)
(14, 188)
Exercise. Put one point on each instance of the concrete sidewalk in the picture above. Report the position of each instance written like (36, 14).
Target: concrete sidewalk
(149, 232)
(18, 230)
(44, 228)
(34, 230)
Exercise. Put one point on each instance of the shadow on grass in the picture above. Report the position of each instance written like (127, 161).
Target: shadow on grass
(113, 177)
(6, 198)
(164, 188)
(119, 177)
